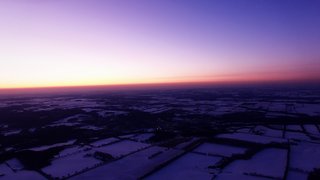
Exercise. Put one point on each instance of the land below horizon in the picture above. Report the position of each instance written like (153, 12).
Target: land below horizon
(175, 133)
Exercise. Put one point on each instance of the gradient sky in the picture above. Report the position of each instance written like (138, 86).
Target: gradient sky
(91, 42)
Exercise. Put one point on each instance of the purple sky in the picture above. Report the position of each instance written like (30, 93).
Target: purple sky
(92, 42)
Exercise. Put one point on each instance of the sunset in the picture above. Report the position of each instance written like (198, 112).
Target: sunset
(159, 89)
(74, 43)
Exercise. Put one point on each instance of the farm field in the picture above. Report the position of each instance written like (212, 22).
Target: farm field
(200, 134)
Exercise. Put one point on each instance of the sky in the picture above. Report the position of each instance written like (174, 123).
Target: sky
(46, 43)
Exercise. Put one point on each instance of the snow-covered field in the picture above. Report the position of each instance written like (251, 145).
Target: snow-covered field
(143, 137)
(311, 129)
(103, 142)
(10, 132)
(69, 165)
(219, 149)
(297, 175)
(69, 121)
(276, 106)
(133, 166)
(309, 109)
(23, 175)
(42, 148)
(297, 136)
(189, 166)
(269, 162)
(304, 156)
(262, 130)
(7, 173)
(15, 164)
(122, 148)
(71, 150)
(244, 130)
(108, 113)
(252, 138)
(90, 120)
(136, 158)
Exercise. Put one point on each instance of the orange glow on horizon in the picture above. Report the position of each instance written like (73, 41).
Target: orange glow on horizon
(226, 79)
(98, 43)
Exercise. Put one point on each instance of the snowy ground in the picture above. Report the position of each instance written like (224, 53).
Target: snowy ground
(7, 173)
(252, 138)
(267, 131)
(103, 142)
(304, 156)
(71, 150)
(42, 148)
(312, 129)
(219, 149)
(122, 148)
(14, 164)
(309, 109)
(133, 166)
(297, 136)
(267, 163)
(143, 137)
(135, 157)
(69, 165)
(189, 166)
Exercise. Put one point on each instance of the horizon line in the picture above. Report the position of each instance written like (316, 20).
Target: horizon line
(12, 90)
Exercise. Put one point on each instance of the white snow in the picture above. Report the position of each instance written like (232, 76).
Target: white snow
(189, 166)
(62, 167)
(156, 109)
(267, 131)
(296, 135)
(23, 175)
(15, 164)
(133, 166)
(219, 149)
(305, 156)
(72, 118)
(309, 109)
(12, 132)
(90, 109)
(67, 103)
(243, 130)
(42, 148)
(122, 148)
(107, 113)
(103, 142)
(297, 175)
(252, 138)
(69, 121)
(311, 129)
(72, 150)
(7, 173)
(269, 162)
(4, 169)
(127, 136)
(95, 128)
(143, 137)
